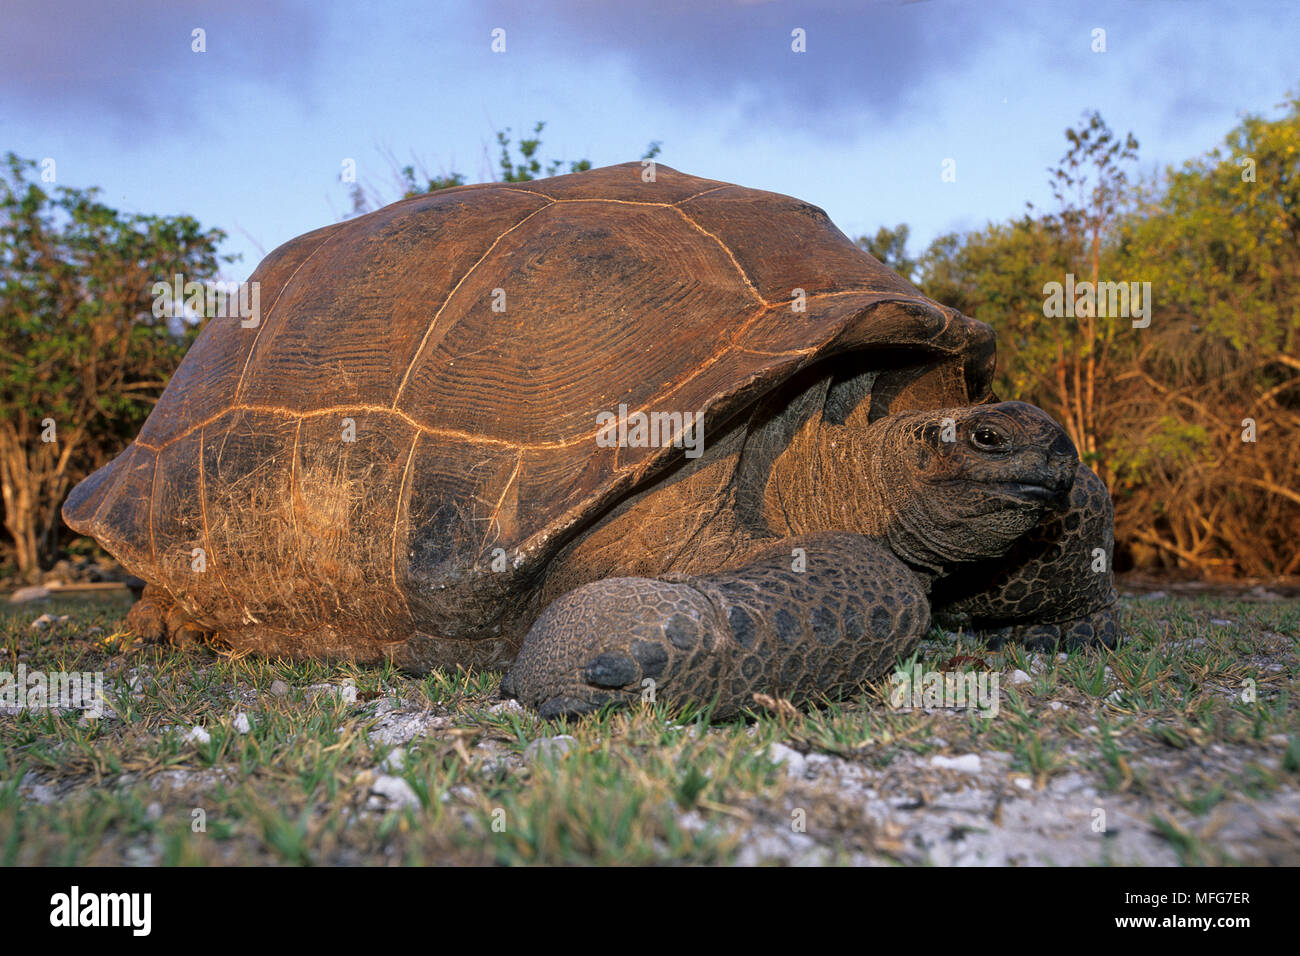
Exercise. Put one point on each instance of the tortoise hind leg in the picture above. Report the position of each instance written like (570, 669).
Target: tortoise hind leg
(157, 618)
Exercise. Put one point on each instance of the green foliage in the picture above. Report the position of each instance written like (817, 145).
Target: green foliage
(1171, 445)
(997, 275)
(1219, 241)
(519, 162)
(1158, 411)
(1090, 182)
(413, 187)
(1221, 236)
(69, 263)
(890, 247)
(530, 166)
(79, 342)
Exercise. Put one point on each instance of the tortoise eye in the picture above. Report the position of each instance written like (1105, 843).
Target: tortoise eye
(988, 438)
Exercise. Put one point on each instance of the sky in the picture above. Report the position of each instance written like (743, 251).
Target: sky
(251, 134)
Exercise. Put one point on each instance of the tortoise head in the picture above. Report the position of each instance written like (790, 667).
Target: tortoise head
(960, 485)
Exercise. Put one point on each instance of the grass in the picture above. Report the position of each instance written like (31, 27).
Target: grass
(1188, 716)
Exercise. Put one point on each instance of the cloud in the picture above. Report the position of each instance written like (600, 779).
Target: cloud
(131, 64)
(873, 57)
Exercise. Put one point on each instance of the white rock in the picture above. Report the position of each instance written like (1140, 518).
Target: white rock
(396, 760)
(154, 811)
(279, 688)
(796, 849)
(815, 763)
(399, 727)
(1072, 783)
(42, 794)
(388, 791)
(1018, 676)
(511, 706)
(1062, 658)
(137, 855)
(346, 692)
(1024, 783)
(1220, 621)
(966, 763)
(551, 748)
(197, 735)
(33, 593)
(241, 724)
(795, 763)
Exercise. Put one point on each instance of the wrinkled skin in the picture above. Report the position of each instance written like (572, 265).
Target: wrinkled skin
(949, 502)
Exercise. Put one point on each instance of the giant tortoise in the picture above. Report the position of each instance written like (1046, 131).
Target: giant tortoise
(625, 429)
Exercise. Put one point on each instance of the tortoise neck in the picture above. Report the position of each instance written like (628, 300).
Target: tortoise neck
(826, 480)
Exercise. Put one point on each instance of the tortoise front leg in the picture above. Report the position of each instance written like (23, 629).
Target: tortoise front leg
(844, 617)
(1055, 588)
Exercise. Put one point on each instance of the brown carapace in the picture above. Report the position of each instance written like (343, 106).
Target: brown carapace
(408, 454)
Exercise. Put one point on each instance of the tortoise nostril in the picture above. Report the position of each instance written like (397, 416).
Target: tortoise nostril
(1063, 477)
(1062, 447)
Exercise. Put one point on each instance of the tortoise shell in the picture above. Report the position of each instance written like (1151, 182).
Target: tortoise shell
(409, 432)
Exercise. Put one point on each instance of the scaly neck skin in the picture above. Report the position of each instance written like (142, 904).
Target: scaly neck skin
(864, 480)
(860, 482)
(890, 507)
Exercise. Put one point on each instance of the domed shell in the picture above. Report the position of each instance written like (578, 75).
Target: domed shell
(423, 386)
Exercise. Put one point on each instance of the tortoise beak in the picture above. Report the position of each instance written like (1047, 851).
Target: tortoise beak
(1063, 463)
(1047, 477)
(1051, 484)
(1034, 492)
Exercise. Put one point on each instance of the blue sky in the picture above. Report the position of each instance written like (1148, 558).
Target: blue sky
(250, 136)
